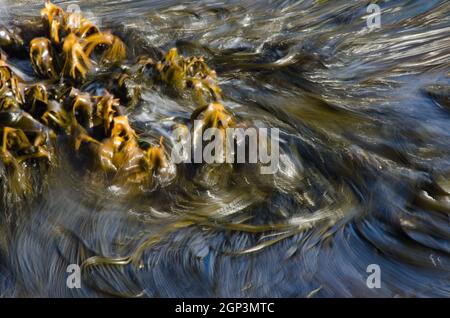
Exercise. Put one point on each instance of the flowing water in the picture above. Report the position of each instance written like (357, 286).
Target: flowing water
(364, 178)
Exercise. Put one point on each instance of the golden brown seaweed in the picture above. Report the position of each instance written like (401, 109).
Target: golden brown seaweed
(9, 83)
(41, 55)
(36, 99)
(56, 19)
(77, 63)
(107, 107)
(214, 116)
(192, 73)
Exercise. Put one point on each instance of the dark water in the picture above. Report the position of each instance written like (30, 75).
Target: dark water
(364, 175)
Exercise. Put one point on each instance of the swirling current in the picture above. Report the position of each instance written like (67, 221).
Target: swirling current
(364, 172)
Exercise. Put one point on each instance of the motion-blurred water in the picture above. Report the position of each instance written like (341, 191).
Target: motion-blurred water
(365, 161)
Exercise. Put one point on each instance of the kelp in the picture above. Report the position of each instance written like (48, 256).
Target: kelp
(76, 62)
(191, 73)
(95, 126)
(9, 83)
(41, 55)
(214, 116)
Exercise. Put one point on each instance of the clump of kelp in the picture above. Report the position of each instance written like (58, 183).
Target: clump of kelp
(69, 54)
(56, 114)
(59, 112)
